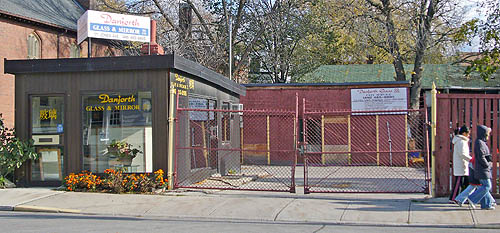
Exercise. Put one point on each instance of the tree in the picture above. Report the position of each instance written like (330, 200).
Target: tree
(402, 31)
(275, 49)
(488, 31)
(203, 34)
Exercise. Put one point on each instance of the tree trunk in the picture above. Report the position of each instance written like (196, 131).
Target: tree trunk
(424, 27)
(399, 69)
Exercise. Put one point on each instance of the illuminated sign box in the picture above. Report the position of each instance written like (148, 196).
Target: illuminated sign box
(105, 25)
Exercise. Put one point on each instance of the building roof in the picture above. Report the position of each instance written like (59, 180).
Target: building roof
(57, 13)
(443, 75)
(153, 62)
(323, 84)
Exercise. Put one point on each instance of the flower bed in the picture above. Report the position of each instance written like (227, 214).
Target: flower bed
(115, 181)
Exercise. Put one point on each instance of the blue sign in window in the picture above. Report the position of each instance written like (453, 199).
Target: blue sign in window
(60, 128)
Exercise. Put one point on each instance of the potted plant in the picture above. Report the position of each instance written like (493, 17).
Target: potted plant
(123, 151)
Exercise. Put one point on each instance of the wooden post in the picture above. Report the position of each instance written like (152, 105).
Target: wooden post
(378, 143)
(433, 137)
(204, 138)
(170, 151)
(322, 139)
(268, 143)
(349, 138)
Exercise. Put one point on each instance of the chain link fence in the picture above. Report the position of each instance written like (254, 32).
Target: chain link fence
(241, 150)
(383, 151)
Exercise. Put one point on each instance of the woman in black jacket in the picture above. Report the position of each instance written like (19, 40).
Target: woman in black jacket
(482, 169)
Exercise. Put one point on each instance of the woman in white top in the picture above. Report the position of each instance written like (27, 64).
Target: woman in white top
(461, 158)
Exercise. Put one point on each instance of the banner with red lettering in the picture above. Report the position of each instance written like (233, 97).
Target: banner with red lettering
(105, 25)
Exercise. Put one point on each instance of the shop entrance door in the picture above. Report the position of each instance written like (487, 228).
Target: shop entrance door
(47, 131)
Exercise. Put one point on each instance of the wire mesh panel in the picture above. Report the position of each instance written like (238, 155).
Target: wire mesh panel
(365, 151)
(228, 149)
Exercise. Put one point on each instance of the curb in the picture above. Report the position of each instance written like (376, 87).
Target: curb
(29, 208)
(6, 208)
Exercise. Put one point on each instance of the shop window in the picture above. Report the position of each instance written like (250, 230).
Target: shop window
(117, 131)
(74, 51)
(34, 46)
(226, 122)
(47, 114)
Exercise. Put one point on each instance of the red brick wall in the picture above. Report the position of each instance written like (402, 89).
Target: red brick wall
(13, 45)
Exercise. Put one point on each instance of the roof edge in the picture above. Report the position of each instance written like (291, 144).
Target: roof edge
(324, 84)
(35, 21)
(121, 63)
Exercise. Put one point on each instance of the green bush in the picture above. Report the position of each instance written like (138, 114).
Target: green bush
(13, 151)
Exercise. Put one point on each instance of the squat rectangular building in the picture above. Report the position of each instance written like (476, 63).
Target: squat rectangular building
(76, 109)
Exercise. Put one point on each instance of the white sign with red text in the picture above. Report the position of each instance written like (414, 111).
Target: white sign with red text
(379, 99)
(105, 25)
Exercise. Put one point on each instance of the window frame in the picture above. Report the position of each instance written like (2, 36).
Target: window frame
(34, 48)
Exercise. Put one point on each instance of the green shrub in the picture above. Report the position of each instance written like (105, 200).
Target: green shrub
(13, 151)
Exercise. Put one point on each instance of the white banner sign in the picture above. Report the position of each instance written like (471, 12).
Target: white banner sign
(196, 103)
(374, 99)
(105, 25)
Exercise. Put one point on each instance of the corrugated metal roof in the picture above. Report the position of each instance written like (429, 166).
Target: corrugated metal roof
(60, 13)
(444, 75)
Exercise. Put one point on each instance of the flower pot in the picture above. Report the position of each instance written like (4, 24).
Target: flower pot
(125, 161)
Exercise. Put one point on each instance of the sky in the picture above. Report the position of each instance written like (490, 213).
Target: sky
(474, 12)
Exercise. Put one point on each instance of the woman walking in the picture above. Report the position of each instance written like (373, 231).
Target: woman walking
(473, 184)
(461, 160)
(482, 169)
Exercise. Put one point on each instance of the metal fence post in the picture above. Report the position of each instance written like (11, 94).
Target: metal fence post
(323, 139)
(378, 142)
(268, 142)
(170, 154)
(433, 137)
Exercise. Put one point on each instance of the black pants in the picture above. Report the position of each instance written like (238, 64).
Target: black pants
(459, 184)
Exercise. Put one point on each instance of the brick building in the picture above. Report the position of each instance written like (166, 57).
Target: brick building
(40, 29)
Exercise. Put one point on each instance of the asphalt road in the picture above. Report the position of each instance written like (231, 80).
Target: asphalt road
(44, 222)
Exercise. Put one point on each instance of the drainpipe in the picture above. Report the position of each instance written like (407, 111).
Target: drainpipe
(433, 137)
(171, 120)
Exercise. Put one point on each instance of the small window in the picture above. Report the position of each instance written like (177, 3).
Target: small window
(74, 51)
(226, 122)
(34, 46)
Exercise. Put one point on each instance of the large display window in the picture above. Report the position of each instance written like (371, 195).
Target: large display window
(117, 131)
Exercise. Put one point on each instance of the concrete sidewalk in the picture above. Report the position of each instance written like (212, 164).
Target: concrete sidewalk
(362, 209)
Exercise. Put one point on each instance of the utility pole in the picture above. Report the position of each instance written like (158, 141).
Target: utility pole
(230, 48)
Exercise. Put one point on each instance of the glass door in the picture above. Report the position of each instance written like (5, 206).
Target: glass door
(47, 130)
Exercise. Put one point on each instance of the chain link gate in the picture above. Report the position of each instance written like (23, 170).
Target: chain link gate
(382, 151)
(235, 149)
(342, 151)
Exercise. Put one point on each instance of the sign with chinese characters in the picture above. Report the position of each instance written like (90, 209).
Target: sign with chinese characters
(181, 84)
(373, 99)
(48, 114)
(105, 25)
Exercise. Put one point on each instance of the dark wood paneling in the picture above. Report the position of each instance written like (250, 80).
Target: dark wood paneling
(73, 85)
